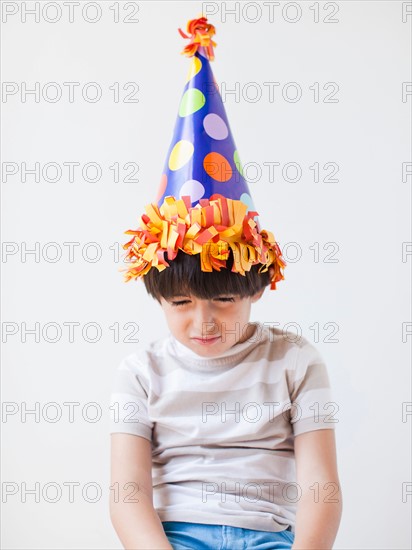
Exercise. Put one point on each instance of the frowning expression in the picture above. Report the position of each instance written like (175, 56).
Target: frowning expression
(209, 327)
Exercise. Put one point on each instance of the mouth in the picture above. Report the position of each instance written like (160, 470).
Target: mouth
(206, 341)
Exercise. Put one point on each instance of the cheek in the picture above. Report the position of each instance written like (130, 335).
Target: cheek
(234, 314)
(177, 319)
(242, 313)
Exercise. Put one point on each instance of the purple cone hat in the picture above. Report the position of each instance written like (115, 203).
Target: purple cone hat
(204, 205)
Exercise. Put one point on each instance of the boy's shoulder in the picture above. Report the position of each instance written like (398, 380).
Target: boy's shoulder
(144, 355)
(278, 341)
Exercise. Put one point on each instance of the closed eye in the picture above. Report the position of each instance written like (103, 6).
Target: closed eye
(180, 303)
(183, 302)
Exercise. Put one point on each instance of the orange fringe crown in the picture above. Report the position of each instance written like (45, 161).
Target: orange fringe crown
(210, 229)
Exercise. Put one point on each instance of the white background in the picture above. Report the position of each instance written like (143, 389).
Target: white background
(366, 213)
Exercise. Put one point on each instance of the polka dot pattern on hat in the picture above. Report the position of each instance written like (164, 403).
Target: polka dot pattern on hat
(217, 166)
(192, 100)
(215, 126)
(195, 67)
(193, 188)
(180, 155)
(203, 160)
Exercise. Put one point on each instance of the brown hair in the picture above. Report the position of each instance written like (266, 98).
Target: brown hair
(184, 276)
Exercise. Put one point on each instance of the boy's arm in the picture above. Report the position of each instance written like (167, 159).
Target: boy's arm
(131, 496)
(320, 506)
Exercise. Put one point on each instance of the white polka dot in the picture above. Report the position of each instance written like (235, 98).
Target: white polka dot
(193, 188)
(215, 126)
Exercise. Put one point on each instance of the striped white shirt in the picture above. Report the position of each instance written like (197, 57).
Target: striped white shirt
(222, 428)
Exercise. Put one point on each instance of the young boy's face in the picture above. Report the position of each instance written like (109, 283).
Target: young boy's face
(209, 327)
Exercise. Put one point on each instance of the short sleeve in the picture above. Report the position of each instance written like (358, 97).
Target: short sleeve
(313, 407)
(128, 400)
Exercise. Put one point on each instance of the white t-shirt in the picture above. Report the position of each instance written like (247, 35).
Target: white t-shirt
(222, 429)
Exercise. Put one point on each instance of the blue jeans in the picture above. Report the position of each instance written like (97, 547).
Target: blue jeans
(183, 535)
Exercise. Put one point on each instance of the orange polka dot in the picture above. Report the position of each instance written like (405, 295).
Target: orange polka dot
(162, 187)
(217, 166)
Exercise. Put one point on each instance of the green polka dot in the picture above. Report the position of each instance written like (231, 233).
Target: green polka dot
(192, 101)
(237, 163)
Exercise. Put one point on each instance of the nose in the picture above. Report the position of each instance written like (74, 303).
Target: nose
(204, 321)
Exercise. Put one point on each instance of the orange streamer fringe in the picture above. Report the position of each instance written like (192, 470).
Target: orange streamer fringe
(209, 229)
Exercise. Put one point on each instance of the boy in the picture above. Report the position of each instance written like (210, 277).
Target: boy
(222, 432)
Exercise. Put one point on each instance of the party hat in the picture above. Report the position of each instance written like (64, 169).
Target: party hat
(204, 205)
